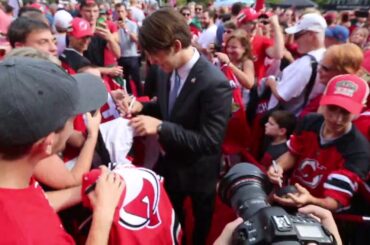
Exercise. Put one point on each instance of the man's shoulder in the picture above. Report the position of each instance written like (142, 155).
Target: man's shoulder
(206, 69)
(310, 122)
(317, 53)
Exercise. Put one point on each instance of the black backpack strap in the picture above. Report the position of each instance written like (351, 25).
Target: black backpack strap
(311, 82)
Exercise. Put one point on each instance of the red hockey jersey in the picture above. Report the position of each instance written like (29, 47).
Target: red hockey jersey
(144, 214)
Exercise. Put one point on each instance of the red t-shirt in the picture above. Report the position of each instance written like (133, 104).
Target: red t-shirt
(28, 218)
(259, 46)
(109, 58)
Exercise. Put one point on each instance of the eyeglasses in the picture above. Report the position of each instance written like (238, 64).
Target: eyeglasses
(198, 9)
(299, 34)
(185, 14)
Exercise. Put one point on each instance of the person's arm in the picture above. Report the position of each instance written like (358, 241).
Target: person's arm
(271, 82)
(293, 81)
(227, 232)
(284, 162)
(111, 71)
(326, 219)
(277, 50)
(134, 37)
(62, 199)
(111, 38)
(304, 197)
(104, 200)
(245, 75)
(52, 171)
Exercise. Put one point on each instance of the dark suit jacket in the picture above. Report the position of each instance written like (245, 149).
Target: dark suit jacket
(192, 136)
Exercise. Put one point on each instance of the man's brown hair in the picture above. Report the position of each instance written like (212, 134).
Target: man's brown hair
(161, 29)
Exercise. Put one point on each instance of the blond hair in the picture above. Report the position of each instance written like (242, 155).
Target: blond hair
(346, 58)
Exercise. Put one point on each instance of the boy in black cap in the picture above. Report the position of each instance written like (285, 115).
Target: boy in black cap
(38, 103)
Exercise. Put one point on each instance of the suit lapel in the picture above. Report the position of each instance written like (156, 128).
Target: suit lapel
(189, 84)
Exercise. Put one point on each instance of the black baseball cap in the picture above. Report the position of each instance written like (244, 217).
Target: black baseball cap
(37, 97)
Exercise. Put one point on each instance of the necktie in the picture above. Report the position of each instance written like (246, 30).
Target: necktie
(173, 92)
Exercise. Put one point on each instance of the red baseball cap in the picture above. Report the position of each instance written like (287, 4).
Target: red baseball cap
(246, 15)
(38, 6)
(80, 28)
(347, 91)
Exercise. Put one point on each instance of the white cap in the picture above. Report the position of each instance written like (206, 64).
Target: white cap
(62, 19)
(308, 22)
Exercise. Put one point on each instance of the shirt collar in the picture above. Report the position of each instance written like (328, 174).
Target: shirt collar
(184, 70)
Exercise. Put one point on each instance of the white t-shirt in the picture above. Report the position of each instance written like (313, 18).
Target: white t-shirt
(208, 36)
(293, 81)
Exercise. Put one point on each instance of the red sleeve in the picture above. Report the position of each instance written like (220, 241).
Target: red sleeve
(295, 144)
(341, 185)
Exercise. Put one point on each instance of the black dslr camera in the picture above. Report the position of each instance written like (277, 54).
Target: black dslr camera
(244, 189)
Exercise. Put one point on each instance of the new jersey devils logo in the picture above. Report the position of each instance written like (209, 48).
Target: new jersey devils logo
(140, 205)
(310, 172)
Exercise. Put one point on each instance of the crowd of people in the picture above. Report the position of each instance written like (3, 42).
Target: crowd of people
(101, 100)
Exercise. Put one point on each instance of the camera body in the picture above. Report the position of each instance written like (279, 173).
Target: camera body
(244, 188)
(273, 225)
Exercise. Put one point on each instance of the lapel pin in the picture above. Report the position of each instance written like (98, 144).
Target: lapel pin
(192, 80)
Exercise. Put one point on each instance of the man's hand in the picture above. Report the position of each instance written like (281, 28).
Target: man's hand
(275, 175)
(145, 125)
(103, 32)
(122, 25)
(302, 197)
(274, 20)
(104, 199)
(223, 57)
(126, 105)
(325, 217)
(93, 122)
(227, 232)
(115, 71)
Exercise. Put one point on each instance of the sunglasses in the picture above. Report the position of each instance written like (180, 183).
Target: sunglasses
(186, 14)
(198, 9)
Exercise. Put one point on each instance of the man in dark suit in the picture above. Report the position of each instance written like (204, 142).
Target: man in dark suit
(189, 117)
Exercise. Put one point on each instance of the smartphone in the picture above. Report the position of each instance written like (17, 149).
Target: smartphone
(100, 22)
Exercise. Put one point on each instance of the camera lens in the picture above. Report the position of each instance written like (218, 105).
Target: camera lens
(244, 189)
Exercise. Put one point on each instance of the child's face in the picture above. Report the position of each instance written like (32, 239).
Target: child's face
(272, 128)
